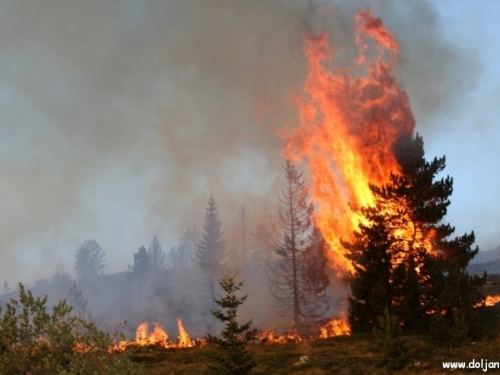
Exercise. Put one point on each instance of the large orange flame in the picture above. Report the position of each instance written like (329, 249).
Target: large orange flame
(349, 122)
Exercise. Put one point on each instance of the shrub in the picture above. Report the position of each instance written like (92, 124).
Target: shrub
(391, 342)
(34, 341)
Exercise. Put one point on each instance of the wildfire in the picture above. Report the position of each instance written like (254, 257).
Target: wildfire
(159, 337)
(268, 336)
(335, 327)
(349, 122)
(184, 340)
(489, 301)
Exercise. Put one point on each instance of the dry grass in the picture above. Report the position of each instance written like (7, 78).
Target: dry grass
(341, 355)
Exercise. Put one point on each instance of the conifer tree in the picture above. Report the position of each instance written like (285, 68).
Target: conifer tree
(371, 287)
(142, 263)
(90, 260)
(405, 247)
(157, 256)
(297, 277)
(211, 252)
(231, 357)
(212, 247)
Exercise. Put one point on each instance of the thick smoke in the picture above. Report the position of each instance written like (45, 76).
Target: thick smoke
(119, 118)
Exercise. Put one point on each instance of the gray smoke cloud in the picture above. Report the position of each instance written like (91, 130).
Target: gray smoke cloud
(119, 118)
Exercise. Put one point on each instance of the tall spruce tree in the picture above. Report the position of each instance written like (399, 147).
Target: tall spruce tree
(211, 252)
(403, 257)
(297, 277)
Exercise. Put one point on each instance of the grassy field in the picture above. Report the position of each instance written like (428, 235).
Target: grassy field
(339, 355)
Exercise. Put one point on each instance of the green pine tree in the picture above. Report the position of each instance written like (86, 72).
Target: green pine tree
(231, 356)
(371, 287)
(406, 227)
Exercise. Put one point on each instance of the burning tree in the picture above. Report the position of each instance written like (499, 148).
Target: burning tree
(297, 277)
(402, 255)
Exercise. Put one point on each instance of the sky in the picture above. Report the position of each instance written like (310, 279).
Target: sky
(119, 118)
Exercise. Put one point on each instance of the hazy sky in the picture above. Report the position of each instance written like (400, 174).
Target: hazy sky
(119, 118)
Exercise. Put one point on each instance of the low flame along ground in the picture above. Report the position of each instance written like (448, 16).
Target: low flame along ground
(159, 337)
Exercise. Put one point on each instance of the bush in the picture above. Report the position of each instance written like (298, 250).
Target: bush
(453, 330)
(34, 341)
(391, 342)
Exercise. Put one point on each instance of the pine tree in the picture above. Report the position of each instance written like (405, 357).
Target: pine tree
(231, 357)
(90, 260)
(212, 247)
(405, 227)
(211, 252)
(371, 287)
(156, 255)
(297, 278)
(142, 263)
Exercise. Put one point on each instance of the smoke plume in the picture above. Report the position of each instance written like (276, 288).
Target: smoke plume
(119, 118)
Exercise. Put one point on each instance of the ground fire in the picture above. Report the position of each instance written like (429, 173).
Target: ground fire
(159, 337)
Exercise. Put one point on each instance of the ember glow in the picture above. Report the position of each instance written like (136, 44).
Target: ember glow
(489, 301)
(349, 122)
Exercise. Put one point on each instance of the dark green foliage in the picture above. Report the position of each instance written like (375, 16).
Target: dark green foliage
(142, 263)
(35, 341)
(212, 247)
(230, 356)
(456, 321)
(90, 260)
(403, 256)
(388, 336)
(211, 252)
(371, 289)
(298, 277)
